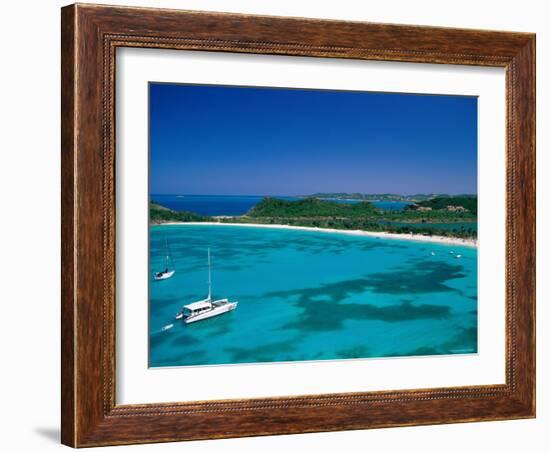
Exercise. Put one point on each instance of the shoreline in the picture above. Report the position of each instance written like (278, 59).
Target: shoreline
(442, 240)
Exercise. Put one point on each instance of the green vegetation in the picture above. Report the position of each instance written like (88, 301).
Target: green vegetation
(310, 207)
(317, 208)
(160, 214)
(442, 202)
(362, 224)
(431, 216)
(314, 212)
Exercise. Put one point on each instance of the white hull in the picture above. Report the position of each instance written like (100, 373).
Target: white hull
(205, 309)
(217, 309)
(164, 275)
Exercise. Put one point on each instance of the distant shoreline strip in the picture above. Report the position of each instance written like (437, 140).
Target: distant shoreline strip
(383, 235)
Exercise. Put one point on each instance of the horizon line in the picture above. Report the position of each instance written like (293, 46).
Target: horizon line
(313, 194)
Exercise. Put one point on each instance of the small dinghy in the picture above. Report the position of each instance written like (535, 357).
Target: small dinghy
(169, 269)
(204, 309)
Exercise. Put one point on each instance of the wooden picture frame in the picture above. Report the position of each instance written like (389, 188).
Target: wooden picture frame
(90, 36)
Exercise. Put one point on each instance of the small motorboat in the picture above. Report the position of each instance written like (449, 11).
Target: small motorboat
(204, 309)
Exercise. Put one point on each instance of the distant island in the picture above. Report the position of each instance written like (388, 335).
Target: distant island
(384, 196)
(429, 215)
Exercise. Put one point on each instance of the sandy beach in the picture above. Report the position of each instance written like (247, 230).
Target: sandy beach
(385, 235)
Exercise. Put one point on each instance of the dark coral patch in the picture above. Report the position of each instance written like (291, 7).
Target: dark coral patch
(427, 277)
(423, 351)
(185, 340)
(327, 316)
(260, 353)
(159, 338)
(464, 342)
(195, 357)
(353, 352)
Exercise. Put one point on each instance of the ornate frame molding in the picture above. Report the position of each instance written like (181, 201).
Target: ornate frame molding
(90, 37)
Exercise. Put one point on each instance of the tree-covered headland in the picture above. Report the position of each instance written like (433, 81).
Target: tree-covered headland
(434, 216)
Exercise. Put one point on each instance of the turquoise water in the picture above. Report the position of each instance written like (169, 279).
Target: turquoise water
(306, 295)
(391, 205)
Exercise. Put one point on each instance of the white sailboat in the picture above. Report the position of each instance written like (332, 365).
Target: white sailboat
(204, 309)
(167, 272)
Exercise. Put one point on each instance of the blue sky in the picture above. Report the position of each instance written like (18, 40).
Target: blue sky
(269, 141)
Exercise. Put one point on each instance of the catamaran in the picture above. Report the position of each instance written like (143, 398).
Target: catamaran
(166, 273)
(204, 309)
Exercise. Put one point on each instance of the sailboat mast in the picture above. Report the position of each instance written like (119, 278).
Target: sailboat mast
(209, 278)
(168, 254)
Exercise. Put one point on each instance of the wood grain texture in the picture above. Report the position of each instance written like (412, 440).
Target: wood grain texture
(68, 147)
(90, 36)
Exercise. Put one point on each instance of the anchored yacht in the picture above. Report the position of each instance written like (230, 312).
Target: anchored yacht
(169, 269)
(204, 309)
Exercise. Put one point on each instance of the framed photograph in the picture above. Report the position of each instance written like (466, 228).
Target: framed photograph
(281, 225)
